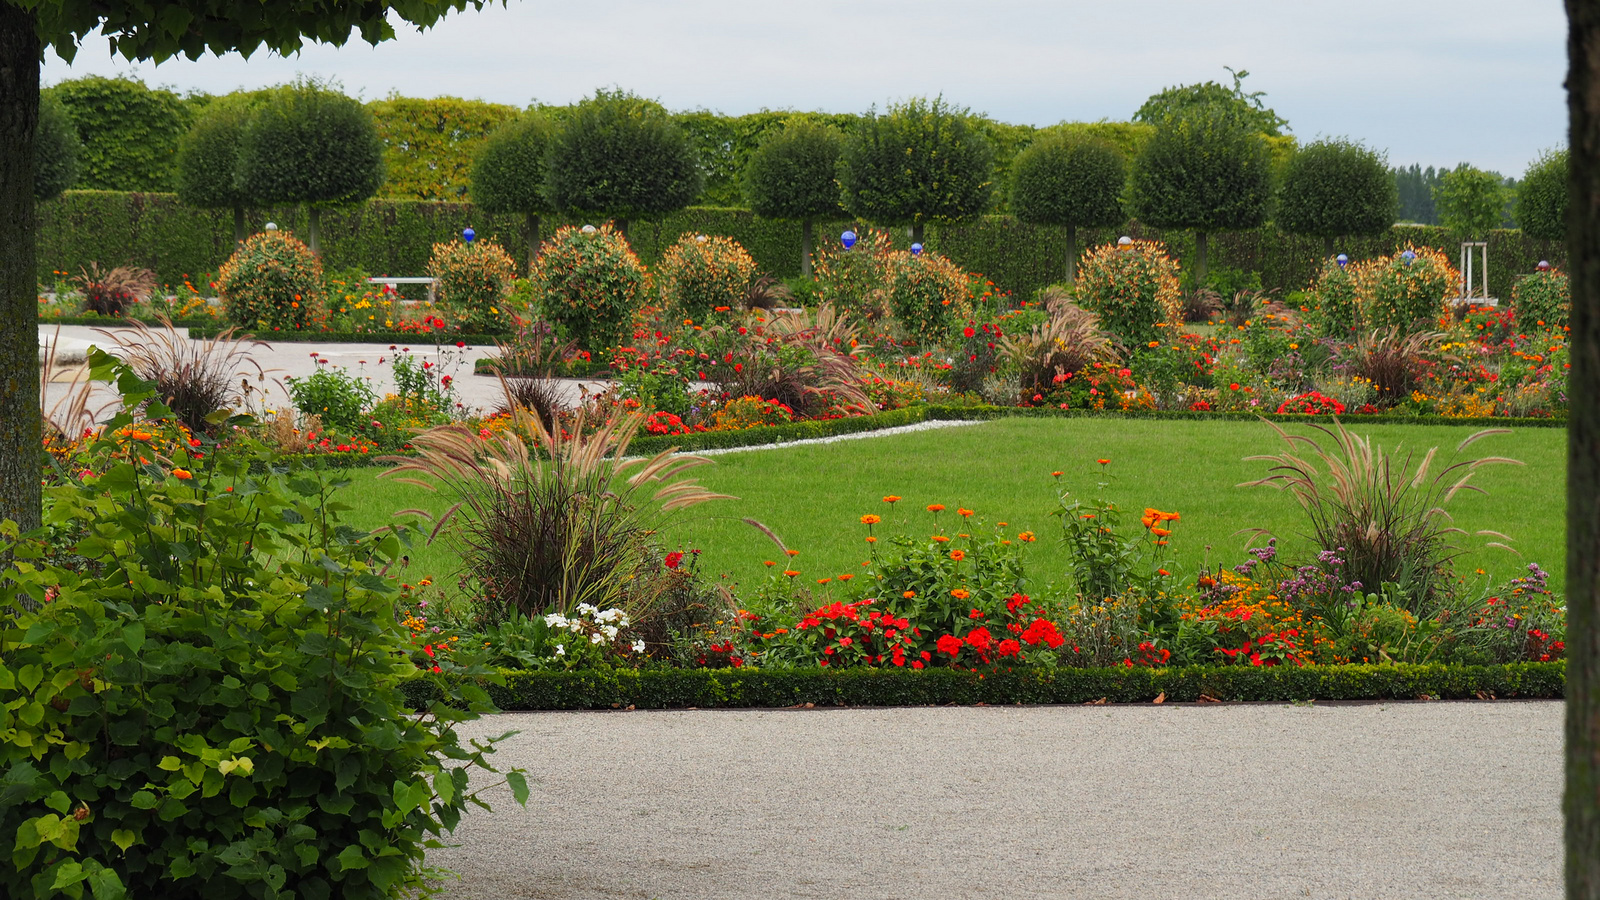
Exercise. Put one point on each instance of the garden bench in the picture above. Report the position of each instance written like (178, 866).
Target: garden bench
(391, 282)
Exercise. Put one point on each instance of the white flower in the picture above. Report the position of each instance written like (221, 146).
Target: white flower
(597, 639)
(556, 620)
(587, 609)
(574, 624)
(561, 650)
(610, 631)
(638, 645)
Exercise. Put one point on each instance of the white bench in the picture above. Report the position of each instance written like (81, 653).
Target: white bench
(391, 282)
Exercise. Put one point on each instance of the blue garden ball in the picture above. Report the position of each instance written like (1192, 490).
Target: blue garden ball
(848, 239)
(1342, 260)
(1408, 256)
(468, 235)
(916, 249)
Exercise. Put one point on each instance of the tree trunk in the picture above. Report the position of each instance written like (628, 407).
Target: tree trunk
(917, 231)
(1072, 254)
(1583, 455)
(240, 232)
(533, 241)
(621, 225)
(1327, 247)
(314, 228)
(1199, 260)
(805, 248)
(21, 463)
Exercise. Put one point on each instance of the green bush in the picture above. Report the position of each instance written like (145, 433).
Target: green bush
(216, 708)
(1406, 292)
(130, 132)
(700, 274)
(431, 145)
(1470, 201)
(621, 156)
(337, 398)
(1334, 188)
(1069, 180)
(857, 280)
(55, 150)
(1542, 300)
(1134, 290)
(208, 158)
(923, 161)
(509, 173)
(1337, 297)
(272, 283)
(589, 285)
(1542, 198)
(928, 295)
(790, 175)
(474, 281)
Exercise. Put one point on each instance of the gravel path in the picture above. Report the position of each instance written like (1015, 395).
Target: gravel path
(1257, 800)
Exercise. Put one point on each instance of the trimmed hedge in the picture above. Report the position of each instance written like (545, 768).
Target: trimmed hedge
(443, 338)
(986, 413)
(394, 237)
(646, 445)
(111, 321)
(757, 688)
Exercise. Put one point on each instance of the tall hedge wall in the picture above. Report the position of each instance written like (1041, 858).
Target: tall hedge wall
(393, 237)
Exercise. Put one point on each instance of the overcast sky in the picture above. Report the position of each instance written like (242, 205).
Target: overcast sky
(1435, 82)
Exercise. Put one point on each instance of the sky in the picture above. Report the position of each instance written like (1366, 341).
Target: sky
(1427, 81)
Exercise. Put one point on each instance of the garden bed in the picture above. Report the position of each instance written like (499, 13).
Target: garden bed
(752, 688)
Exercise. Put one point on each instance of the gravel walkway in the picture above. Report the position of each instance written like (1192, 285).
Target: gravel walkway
(1363, 801)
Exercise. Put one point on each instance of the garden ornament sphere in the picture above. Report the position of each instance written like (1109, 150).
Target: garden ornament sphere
(1342, 260)
(468, 235)
(916, 249)
(700, 239)
(1408, 256)
(1543, 266)
(272, 226)
(588, 229)
(848, 239)
(1124, 243)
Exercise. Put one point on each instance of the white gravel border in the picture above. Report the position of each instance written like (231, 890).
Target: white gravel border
(852, 436)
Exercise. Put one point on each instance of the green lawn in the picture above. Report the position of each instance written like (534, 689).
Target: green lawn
(813, 496)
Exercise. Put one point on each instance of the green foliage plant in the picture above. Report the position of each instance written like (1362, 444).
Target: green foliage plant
(923, 161)
(622, 156)
(338, 399)
(431, 145)
(208, 160)
(1333, 188)
(793, 174)
(1542, 300)
(1071, 181)
(1542, 197)
(308, 143)
(212, 706)
(1207, 99)
(1203, 172)
(927, 294)
(1338, 299)
(1406, 292)
(1133, 289)
(474, 283)
(1104, 561)
(56, 149)
(1470, 201)
(271, 283)
(130, 132)
(857, 280)
(589, 285)
(701, 274)
(510, 171)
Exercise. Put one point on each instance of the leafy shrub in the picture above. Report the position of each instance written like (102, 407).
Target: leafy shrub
(1134, 291)
(1103, 562)
(215, 710)
(791, 175)
(1405, 291)
(196, 379)
(1542, 197)
(928, 294)
(589, 285)
(113, 293)
(799, 360)
(1333, 188)
(1470, 201)
(271, 283)
(508, 173)
(1337, 294)
(699, 274)
(55, 150)
(856, 281)
(623, 156)
(474, 280)
(336, 398)
(922, 161)
(1542, 300)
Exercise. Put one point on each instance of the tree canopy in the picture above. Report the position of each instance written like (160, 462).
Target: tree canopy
(1210, 98)
(1334, 188)
(1471, 201)
(1541, 208)
(55, 151)
(622, 156)
(923, 161)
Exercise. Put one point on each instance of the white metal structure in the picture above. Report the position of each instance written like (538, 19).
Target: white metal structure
(1471, 252)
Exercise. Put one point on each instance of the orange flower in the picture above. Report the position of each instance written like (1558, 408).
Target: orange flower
(823, 580)
(1103, 462)
(769, 563)
(1160, 532)
(961, 593)
(870, 519)
(846, 577)
(141, 435)
(871, 539)
(1026, 537)
(790, 572)
(958, 555)
(792, 552)
(935, 507)
(1056, 474)
(182, 474)
(891, 499)
(941, 539)
(909, 594)
(964, 513)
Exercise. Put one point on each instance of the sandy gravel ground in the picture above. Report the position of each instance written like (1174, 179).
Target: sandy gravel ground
(1431, 800)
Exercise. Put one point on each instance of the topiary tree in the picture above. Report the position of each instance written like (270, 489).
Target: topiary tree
(622, 156)
(473, 281)
(1470, 201)
(431, 145)
(510, 172)
(1541, 206)
(793, 175)
(1133, 288)
(130, 132)
(1210, 98)
(271, 283)
(699, 274)
(308, 143)
(589, 284)
(208, 160)
(922, 162)
(55, 151)
(1203, 172)
(1069, 180)
(1334, 188)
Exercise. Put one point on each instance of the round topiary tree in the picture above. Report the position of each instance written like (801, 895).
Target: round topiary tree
(1541, 207)
(1407, 291)
(510, 172)
(308, 143)
(1470, 201)
(1334, 188)
(1204, 172)
(55, 151)
(271, 283)
(922, 162)
(473, 280)
(1133, 288)
(622, 156)
(1542, 300)
(793, 174)
(1069, 180)
(700, 274)
(589, 284)
(208, 160)
(927, 294)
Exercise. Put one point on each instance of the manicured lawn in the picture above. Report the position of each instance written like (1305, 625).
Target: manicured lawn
(814, 496)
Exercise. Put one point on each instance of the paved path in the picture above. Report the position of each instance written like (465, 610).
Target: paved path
(1363, 801)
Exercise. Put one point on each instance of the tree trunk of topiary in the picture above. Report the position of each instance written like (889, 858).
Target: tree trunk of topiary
(20, 449)
(917, 232)
(1327, 247)
(314, 228)
(1072, 254)
(240, 232)
(1199, 260)
(805, 248)
(1583, 456)
(621, 225)
(533, 240)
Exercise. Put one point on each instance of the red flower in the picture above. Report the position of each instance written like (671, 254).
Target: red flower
(968, 332)
(673, 559)
(1009, 647)
(948, 644)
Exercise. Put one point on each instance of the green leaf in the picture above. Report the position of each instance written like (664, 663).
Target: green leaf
(442, 786)
(30, 676)
(519, 786)
(170, 764)
(133, 636)
(70, 873)
(351, 858)
(107, 885)
(144, 800)
(123, 838)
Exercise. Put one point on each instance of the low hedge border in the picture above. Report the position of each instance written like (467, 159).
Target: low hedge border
(755, 688)
(190, 323)
(987, 413)
(407, 338)
(777, 434)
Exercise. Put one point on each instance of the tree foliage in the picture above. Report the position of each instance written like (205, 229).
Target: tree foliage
(309, 143)
(923, 161)
(1202, 172)
(55, 151)
(1470, 201)
(793, 173)
(208, 156)
(130, 132)
(429, 146)
(1541, 207)
(510, 171)
(1334, 188)
(1247, 110)
(1071, 180)
(622, 156)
